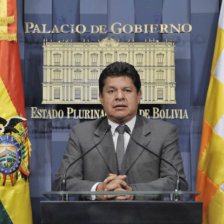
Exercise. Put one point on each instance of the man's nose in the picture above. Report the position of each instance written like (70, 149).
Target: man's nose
(119, 95)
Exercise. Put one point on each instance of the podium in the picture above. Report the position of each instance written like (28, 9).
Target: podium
(61, 209)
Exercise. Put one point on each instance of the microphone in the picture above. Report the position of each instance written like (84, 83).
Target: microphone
(159, 157)
(63, 184)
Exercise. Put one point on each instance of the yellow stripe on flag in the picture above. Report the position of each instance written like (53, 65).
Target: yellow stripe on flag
(3, 14)
(215, 214)
(214, 101)
(16, 202)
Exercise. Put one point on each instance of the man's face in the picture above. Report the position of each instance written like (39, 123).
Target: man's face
(120, 99)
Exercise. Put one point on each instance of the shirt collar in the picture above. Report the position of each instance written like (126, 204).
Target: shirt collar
(130, 124)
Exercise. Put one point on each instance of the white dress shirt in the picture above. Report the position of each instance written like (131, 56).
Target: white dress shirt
(115, 134)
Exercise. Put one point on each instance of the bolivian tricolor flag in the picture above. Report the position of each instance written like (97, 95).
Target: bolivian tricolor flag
(15, 206)
(210, 180)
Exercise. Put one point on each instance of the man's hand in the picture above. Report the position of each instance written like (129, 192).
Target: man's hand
(110, 184)
(113, 177)
(124, 197)
(101, 187)
(117, 183)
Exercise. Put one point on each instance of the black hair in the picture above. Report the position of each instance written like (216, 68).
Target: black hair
(120, 69)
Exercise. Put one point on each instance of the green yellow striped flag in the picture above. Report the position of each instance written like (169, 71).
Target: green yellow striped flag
(15, 205)
(210, 180)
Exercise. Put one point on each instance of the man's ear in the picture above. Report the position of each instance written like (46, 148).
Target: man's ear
(139, 94)
(101, 98)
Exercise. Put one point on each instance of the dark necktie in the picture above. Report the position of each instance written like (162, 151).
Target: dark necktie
(120, 144)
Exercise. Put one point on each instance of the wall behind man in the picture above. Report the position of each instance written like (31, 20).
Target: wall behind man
(193, 56)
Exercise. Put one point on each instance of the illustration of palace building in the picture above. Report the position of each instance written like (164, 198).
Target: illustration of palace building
(71, 69)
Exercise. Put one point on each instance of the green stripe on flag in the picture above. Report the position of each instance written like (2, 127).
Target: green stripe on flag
(4, 217)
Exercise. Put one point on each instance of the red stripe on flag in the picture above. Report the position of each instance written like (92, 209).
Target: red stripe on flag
(207, 189)
(10, 72)
(205, 137)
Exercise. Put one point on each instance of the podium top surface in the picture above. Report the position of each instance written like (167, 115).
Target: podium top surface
(76, 193)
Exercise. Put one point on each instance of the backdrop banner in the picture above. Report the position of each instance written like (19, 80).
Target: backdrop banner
(64, 45)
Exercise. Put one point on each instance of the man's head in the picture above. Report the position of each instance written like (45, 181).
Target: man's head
(120, 91)
(120, 69)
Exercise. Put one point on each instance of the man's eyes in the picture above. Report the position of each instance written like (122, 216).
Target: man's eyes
(111, 91)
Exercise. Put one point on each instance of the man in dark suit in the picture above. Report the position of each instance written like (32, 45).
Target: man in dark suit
(119, 163)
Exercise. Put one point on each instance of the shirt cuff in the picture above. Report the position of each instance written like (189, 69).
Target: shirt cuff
(93, 189)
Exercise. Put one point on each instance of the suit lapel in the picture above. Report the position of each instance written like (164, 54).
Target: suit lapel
(141, 133)
(106, 147)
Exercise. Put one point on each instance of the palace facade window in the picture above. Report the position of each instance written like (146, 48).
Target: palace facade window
(57, 74)
(94, 58)
(94, 73)
(94, 93)
(160, 93)
(77, 93)
(77, 75)
(78, 58)
(57, 93)
(160, 75)
(57, 59)
(108, 58)
(160, 58)
(139, 59)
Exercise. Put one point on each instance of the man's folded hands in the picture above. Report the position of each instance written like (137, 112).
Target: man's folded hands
(114, 183)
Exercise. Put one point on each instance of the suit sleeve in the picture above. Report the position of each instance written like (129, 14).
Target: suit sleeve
(167, 174)
(74, 176)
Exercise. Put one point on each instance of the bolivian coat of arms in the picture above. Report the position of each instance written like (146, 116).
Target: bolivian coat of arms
(13, 153)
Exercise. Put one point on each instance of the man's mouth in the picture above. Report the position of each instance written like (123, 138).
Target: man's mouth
(120, 106)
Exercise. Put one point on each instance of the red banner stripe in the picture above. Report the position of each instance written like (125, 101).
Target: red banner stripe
(10, 72)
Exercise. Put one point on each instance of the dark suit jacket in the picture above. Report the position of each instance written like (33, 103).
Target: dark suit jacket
(144, 171)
